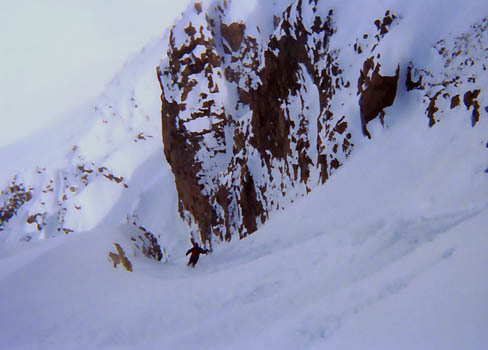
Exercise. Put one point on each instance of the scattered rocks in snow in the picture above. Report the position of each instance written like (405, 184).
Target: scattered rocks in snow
(148, 244)
(463, 55)
(120, 258)
(142, 137)
(14, 197)
(39, 219)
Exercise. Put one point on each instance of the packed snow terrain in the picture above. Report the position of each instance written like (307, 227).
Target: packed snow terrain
(388, 253)
(380, 265)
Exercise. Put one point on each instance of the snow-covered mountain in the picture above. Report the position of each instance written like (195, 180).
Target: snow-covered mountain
(263, 104)
(101, 166)
(351, 139)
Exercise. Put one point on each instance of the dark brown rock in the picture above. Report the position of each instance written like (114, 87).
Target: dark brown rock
(470, 97)
(198, 7)
(470, 100)
(233, 33)
(377, 92)
(409, 83)
(251, 207)
(180, 155)
(432, 108)
(455, 101)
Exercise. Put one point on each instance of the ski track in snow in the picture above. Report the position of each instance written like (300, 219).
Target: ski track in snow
(397, 232)
(300, 293)
(346, 277)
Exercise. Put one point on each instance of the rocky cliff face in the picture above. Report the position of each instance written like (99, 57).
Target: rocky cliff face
(258, 110)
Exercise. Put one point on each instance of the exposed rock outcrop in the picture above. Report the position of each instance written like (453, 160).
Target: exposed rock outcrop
(229, 156)
(253, 119)
(120, 258)
(13, 198)
(377, 92)
(147, 243)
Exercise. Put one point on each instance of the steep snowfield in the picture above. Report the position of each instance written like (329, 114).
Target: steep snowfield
(390, 256)
(100, 165)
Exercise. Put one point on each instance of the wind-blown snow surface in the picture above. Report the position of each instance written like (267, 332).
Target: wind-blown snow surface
(392, 257)
(390, 254)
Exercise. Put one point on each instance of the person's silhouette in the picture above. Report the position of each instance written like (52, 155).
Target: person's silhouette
(195, 254)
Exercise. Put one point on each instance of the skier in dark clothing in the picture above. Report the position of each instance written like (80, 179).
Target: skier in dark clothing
(195, 253)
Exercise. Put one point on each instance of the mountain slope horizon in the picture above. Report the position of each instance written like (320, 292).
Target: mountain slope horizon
(387, 252)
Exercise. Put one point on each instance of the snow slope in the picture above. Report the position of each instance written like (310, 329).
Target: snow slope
(97, 166)
(389, 254)
(381, 265)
